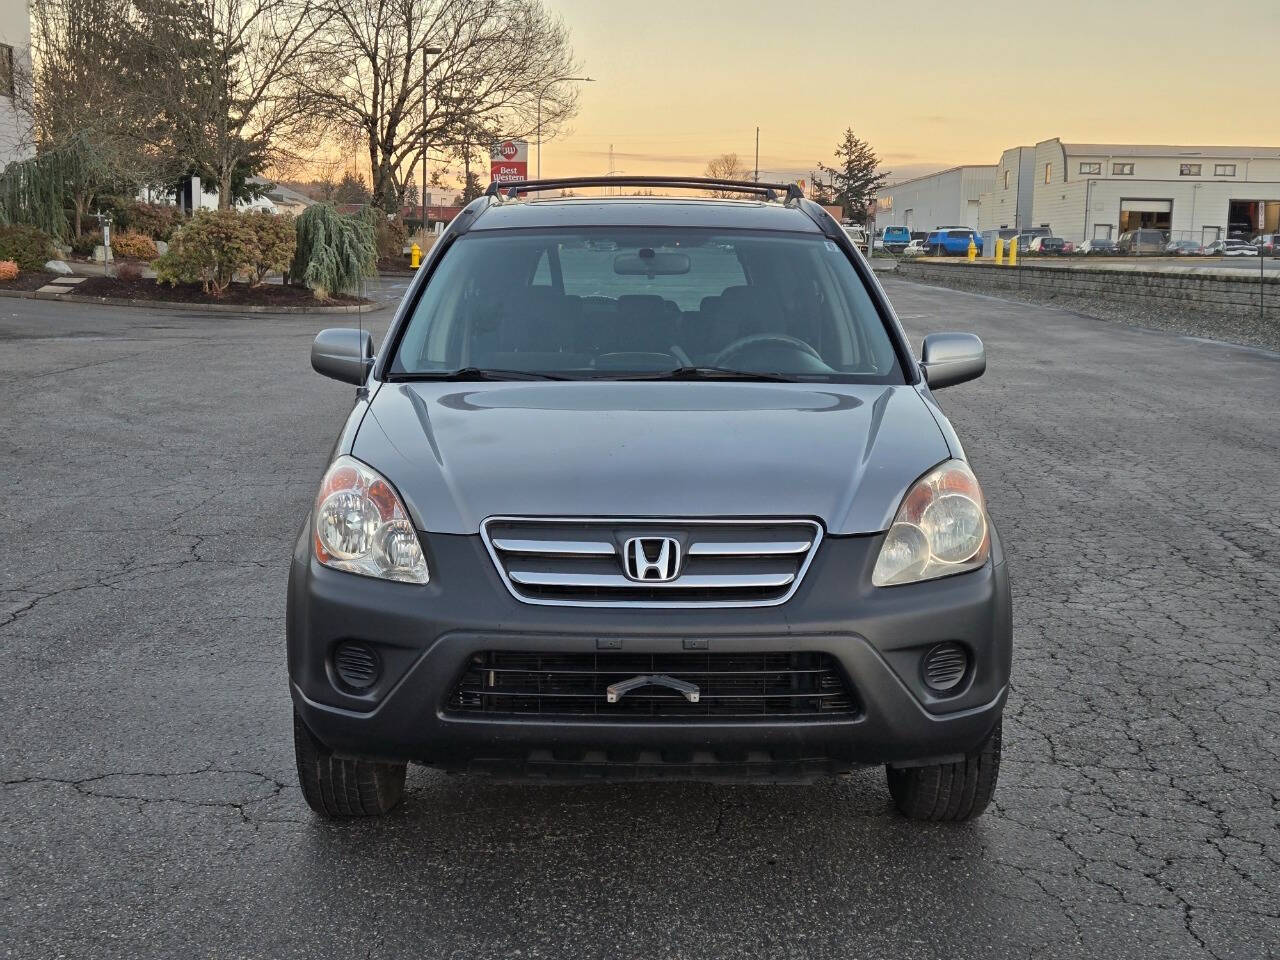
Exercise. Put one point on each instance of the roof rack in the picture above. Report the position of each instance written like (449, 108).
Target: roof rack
(769, 191)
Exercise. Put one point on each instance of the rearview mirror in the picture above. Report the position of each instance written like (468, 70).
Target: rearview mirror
(951, 358)
(343, 354)
(650, 263)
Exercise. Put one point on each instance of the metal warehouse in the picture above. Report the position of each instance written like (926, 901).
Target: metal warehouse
(946, 199)
(1091, 190)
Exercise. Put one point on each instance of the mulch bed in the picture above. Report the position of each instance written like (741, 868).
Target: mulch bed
(29, 280)
(238, 294)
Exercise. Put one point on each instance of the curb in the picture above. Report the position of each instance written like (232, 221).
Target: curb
(197, 307)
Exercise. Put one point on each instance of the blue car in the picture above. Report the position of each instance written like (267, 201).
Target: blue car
(896, 238)
(952, 241)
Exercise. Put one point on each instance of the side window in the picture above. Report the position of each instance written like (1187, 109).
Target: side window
(542, 272)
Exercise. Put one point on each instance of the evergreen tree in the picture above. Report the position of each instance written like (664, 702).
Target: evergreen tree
(352, 188)
(853, 179)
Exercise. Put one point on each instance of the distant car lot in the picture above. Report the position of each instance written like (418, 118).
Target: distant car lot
(1136, 809)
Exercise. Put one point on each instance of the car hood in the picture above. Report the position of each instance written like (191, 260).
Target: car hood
(461, 452)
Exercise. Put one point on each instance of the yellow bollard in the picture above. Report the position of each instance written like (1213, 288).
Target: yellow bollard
(973, 250)
(415, 256)
(1013, 251)
(999, 252)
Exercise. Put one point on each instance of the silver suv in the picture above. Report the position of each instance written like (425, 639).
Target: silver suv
(648, 487)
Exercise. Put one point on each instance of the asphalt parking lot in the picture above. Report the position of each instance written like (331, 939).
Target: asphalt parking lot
(156, 467)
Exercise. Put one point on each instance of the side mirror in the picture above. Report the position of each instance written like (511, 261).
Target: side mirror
(951, 358)
(343, 354)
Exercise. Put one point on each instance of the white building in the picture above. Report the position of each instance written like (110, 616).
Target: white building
(1008, 204)
(15, 43)
(945, 199)
(1086, 190)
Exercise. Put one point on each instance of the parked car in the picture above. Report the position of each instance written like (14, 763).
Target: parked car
(1231, 248)
(1183, 248)
(1268, 243)
(915, 248)
(1141, 242)
(1098, 246)
(896, 239)
(953, 241)
(1068, 246)
(857, 234)
(582, 519)
(1046, 246)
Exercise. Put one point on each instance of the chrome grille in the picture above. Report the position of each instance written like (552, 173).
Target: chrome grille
(580, 562)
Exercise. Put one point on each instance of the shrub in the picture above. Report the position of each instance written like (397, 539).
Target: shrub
(156, 220)
(29, 247)
(334, 253)
(210, 249)
(390, 236)
(8, 271)
(135, 246)
(275, 240)
(83, 245)
(128, 271)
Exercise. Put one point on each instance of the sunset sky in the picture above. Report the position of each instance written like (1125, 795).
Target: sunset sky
(928, 84)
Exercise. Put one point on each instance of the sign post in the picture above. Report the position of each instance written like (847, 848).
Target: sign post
(509, 161)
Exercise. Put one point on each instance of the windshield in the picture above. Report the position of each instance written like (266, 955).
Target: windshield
(612, 302)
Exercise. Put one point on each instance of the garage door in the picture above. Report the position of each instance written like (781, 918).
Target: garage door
(1146, 214)
(1146, 206)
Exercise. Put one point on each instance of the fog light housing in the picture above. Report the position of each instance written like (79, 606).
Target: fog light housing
(356, 664)
(944, 667)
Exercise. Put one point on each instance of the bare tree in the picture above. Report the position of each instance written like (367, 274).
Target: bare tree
(75, 94)
(499, 57)
(726, 167)
(223, 82)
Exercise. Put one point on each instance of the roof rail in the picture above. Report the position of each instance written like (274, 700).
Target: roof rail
(769, 191)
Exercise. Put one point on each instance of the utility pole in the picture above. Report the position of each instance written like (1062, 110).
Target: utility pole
(757, 168)
(435, 52)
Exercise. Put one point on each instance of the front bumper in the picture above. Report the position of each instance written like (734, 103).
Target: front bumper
(425, 635)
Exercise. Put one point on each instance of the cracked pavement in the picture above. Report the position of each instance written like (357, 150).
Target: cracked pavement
(156, 468)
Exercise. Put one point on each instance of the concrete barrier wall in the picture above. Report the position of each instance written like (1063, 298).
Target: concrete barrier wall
(1226, 296)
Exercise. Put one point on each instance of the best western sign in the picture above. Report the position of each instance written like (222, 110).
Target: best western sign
(509, 161)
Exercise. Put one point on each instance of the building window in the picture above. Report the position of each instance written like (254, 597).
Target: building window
(1189, 170)
(1091, 169)
(6, 70)
(1122, 169)
(1048, 169)
(1006, 179)
(1224, 169)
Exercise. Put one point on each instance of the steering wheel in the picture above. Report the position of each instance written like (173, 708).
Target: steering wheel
(756, 341)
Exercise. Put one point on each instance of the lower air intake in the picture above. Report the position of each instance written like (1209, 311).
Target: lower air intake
(732, 686)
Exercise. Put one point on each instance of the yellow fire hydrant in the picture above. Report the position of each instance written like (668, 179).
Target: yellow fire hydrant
(999, 251)
(973, 250)
(1013, 251)
(415, 256)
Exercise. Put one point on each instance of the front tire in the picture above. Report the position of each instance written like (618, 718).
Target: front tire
(948, 791)
(336, 786)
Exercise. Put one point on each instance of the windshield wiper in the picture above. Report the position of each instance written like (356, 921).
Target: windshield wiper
(708, 373)
(474, 373)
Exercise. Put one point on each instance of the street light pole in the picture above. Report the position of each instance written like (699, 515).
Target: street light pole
(422, 191)
(541, 93)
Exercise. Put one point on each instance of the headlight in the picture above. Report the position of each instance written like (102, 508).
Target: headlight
(362, 527)
(940, 529)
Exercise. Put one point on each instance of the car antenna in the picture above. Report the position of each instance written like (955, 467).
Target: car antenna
(362, 388)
